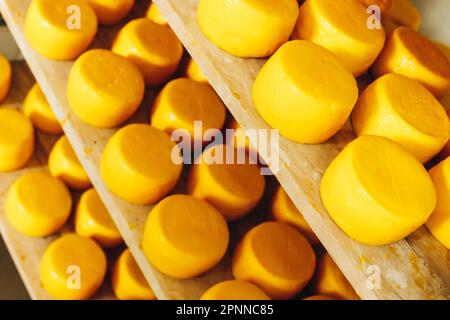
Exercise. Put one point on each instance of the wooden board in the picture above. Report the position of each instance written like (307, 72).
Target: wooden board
(26, 252)
(406, 271)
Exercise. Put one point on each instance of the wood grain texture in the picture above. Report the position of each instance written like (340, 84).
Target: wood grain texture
(408, 270)
(26, 252)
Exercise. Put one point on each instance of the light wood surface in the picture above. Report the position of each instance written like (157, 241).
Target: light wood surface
(406, 270)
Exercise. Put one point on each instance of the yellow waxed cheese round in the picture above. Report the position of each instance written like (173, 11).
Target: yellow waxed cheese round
(232, 188)
(72, 268)
(405, 13)
(234, 290)
(377, 192)
(282, 209)
(439, 222)
(446, 51)
(64, 164)
(341, 27)
(409, 53)
(5, 77)
(154, 14)
(140, 164)
(184, 237)
(401, 109)
(247, 28)
(182, 102)
(38, 204)
(193, 71)
(152, 47)
(16, 139)
(110, 12)
(305, 92)
(92, 220)
(329, 281)
(127, 280)
(276, 258)
(36, 108)
(60, 30)
(319, 297)
(104, 89)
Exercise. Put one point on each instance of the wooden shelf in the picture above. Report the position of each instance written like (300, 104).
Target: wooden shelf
(415, 268)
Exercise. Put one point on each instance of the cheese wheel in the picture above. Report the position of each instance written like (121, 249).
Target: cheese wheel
(409, 53)
(445, 152)
(182, 102)
(37, 204)
(305, 92)
(232, 188)
(110, 12)
(276, 258)
(282, 209)
(184, 237)
(5, 77)
(140, 164)
(401, 109)
(60, 30)
(234, 290)
(127, 280)
(446, 51)
(439, 222)
(378, 175)
(152, 47)
(319, 297)
(247, 28)
(193, 71)
(72, 268)
(36, 108)
(327, 23)
(92, 220)
(154, 15)
(16, 139)
(104, 89)
(64, 164)
(329, 281)
(405, 13)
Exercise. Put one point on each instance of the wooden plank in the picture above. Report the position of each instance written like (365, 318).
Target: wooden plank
(406, 270)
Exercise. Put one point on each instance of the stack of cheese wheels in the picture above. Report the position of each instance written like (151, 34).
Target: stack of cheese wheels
(5, 77)
(184, 237)
(111, 12)
(60, 30)
(233, 188)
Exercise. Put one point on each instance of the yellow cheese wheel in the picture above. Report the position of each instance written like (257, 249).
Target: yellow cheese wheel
(377, 192)
(140, 164)
(5, 77)
(60, 30)
(319, 297)
(283, 209)
(276, 258)
(329, 281)
(305, 92)
(16, 139)
(64, 164)
(247, 28)
(92, 220)
(233, 188)
(110, 12)
(37, 204)
(405, 13)
(36, 108)
(409, 53)
(234, 290)
(193, 71)
(154, 14)
(104, 89)
(182, 102)
(401, 109)
(327, 23)
(72, 268)
(127, 280)
(446, 51)
(152, 47)
(445, 152)
(184, 236)
(439, 222)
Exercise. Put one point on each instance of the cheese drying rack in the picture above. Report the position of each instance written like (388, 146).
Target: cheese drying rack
(417, 267)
